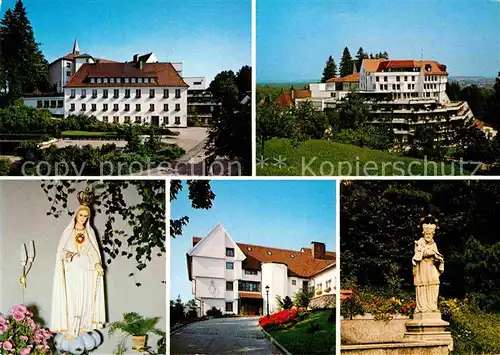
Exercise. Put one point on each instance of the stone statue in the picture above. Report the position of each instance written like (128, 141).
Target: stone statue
(78, 304)
(428, 264)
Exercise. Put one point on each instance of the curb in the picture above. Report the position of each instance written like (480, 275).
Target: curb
(275, 342)
(179, 329)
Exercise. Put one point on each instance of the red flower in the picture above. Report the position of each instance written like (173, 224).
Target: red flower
(281, 317)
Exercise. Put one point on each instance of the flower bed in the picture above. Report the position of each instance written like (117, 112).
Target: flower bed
(19, 333)
(278, 319)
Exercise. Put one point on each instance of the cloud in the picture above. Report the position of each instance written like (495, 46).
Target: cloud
(498, 1)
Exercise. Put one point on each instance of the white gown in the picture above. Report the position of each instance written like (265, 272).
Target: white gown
(78, 293)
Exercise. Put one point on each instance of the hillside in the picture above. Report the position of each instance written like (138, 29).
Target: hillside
(326, 158)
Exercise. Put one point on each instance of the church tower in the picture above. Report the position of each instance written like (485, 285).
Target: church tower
(76, 48)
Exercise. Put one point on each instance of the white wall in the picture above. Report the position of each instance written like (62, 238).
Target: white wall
(55, 74)
(322, 277)
(210, 287)
(208, 267)
(145, 101)
(275, 276)
(292, 289)
(33, 102)
(23, 218)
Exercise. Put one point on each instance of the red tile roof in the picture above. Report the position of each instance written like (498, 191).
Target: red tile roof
(378, 65)
(250, 295)
(354, 78)
(165, 74)
(285, 98)
(371, 65)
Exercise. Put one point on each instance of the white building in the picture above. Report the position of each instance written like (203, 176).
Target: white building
(200, 102)
(408, 93)
(138, 92)
(233, 276)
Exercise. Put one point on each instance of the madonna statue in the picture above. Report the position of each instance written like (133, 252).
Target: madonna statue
(428, 264)
(78, 304)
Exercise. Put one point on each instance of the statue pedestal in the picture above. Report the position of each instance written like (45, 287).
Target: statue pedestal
(428, 327)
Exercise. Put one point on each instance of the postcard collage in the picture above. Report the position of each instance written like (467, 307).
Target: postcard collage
(252, 177)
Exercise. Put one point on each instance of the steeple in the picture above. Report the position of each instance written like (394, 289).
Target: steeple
(76, 48)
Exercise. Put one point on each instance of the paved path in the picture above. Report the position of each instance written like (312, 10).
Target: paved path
(222, 336)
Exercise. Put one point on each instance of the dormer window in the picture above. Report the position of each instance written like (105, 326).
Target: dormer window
(269, 253)
(428, 67)
(105, 80)
(133, 80)
(99, 80)
(126, 80)
(230, 252)
(92, 80)
(111, 80)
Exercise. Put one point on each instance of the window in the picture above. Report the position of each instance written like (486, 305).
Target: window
(53, 103)
(105, 80)
(116, 93)
(151, 107)
(84, 93)
(46, 103)
(138, 93)
(229, 285)
(151, 93)
(115, 107)
(229, 306)
(250, 286)
(94, 93)
(116, 119)
(104, 107)
(139, 80)
(73, 93)
(177, 93)
(406, 78)
(94, 107)
(377, 79)
(127, 107)
(127, 119)
(165, 119)
(72, 107)
(165, 93)
(118, 80)
(398, 87)
(84, 107)
(385, 87)
(412, 78)
(111, 80)
(68, 64)
(230, 252)
(39, 103)
(105, 93)
(68, 73)
(98, 80)
(251, 272)
(137, 107)
(305, 285)
(385, 78)
(127, 93)
(105, 119)
(328, 284)
(132, 80)
(138, 119)
(393, 86)
(397, 78)
(177, 120)
(294, 282)
(165, 107)
(92, 80)
(60, 103)
(319, 287)
(177, 107)
(229, 266)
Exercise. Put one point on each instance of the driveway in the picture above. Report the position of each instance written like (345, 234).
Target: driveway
(222, 336)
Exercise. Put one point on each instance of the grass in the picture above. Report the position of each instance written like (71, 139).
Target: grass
(327, 158)
(86, 133)
(298, 339)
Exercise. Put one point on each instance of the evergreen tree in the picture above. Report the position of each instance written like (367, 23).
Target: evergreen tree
(385, 55)
(346, 64)
(25, 67)
(359, 58)
(371, 56)
(330, 70)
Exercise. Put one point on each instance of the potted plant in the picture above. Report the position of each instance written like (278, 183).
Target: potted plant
(136, 326)
(328, 289)
(318, 293)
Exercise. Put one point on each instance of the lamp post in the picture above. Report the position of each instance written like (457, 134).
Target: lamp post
(267, 297)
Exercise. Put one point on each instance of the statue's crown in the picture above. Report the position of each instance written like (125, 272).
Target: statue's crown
(86, 197)
(429, 227)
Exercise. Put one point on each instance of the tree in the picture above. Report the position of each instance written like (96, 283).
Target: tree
(272, 121)
(354, 112)
(384, 55)
(244, 79)
(303, 297)
(191, 309)
(359, 58)
(230, 135)
(453, 91)
(176, 311)
(25, 67)
(330, 70)
(346, 64)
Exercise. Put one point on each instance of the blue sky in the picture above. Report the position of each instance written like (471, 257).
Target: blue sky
(294, 38)
(281, 214)
(207, 36)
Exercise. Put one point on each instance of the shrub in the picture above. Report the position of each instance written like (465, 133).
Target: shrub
(278, 319)
(313, 328)
(302, 298)
(4, 166)
(351, 307)
(214, 312)
(285, 303)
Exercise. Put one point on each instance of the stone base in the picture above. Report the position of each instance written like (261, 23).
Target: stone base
(428, 327)
(403, 348)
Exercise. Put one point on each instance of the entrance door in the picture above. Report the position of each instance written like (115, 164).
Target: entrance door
(155, 120)
(250, 306)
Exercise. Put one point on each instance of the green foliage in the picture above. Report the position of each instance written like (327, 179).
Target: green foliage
(354, 112)
(359, 58)
(135, 324)
(285, 303)
(380, 222)
(131, 230)
(273, 121)
(5, 165)
(374, 137)
(214, 312)
(176, 311)
(351, 307)
(230, 134)
(330, 70)
(302, 298)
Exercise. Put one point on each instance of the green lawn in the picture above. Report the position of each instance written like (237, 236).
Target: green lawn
(298, 339)
(86, 133)
(327, 158)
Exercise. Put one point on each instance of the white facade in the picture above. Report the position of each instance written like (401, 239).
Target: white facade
(55, 104)
(159, 110)
(219, 276)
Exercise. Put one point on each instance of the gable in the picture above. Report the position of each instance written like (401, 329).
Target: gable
(214, 245)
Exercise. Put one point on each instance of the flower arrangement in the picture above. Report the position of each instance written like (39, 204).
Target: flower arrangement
(19, 333)
(278, 318)
(318, 293)
(328, 289)
(385, 310)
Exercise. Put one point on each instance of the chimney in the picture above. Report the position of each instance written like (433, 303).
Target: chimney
(318, 250)
(196, 240)
(141, 64)
(135, 58)
(292, 93)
